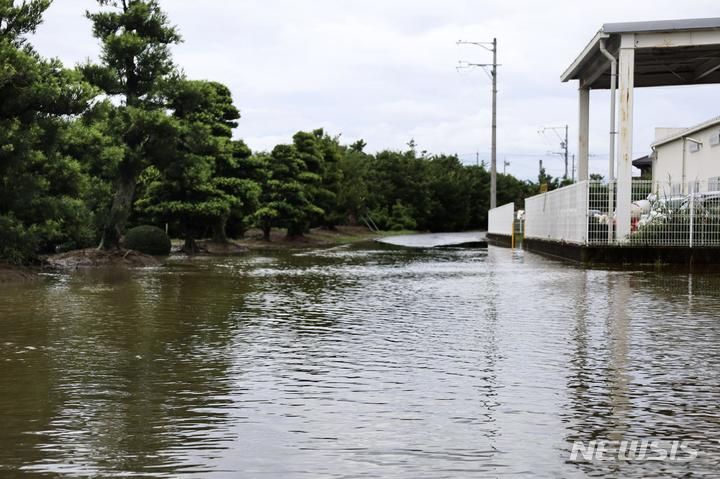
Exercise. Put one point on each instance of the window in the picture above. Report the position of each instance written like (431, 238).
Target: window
(714, 183)
(694, 147)
(715, 138)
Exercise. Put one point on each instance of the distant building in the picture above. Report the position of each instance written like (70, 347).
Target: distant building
(644, 164)
(682, 156)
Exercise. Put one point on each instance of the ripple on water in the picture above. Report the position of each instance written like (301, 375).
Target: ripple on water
(356, 362)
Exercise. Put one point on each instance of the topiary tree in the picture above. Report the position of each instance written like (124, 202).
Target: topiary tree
(147, 239)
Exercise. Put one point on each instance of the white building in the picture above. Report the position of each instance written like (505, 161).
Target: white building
(687, 155)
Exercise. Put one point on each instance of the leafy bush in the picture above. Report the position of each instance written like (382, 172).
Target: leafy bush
(675, 229)
(398, 218)
(401, 218)
(147, 239)
(17, 243)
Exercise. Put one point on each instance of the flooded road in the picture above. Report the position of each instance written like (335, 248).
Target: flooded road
(374, 361)
(435, 240)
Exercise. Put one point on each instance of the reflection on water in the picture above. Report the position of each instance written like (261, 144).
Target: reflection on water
(356, 362)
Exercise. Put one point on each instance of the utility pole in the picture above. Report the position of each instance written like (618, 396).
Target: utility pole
(493, 160)
(505, 165)
(563, 145)
(492, 47)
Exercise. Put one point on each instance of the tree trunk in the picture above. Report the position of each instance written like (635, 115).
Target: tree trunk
(219, 234)
(190, 247)
(266, 233)
(119, 213)
(295, 231)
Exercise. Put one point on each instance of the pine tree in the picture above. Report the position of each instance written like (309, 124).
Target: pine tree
(40, 185)
(135, 64)
(239, 175)
(286, 198)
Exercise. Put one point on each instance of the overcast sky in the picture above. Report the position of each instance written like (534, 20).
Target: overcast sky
(384, 70)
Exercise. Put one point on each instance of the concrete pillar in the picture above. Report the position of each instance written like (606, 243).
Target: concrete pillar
(583, 133)
(626, 77)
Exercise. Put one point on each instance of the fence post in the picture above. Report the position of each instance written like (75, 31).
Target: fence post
(692, 213)
(611, 211)
(587, 212)
(512, 233)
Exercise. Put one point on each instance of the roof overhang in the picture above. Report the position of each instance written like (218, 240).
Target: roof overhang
(687, 132)
(642, 162)
(673, 52)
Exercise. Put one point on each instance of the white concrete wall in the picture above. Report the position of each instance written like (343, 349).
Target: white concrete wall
(501, 219)
(559, 215)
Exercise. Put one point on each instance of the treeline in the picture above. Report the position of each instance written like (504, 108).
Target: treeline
(87, 151)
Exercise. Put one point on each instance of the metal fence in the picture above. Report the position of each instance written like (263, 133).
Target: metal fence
(560, 215)
(661, 214)
(500, 220)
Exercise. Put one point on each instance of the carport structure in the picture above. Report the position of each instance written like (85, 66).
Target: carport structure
(624, 56)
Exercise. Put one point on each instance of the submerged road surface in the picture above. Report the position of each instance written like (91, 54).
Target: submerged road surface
(434, 240)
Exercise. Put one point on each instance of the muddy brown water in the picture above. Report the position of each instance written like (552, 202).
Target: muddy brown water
(357, 361)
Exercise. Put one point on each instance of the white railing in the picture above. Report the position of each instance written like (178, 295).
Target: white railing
(501, 219)
(661, 214)
(559, 215)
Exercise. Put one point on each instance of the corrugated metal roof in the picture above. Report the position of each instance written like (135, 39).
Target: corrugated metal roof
(688, 131)
(662, 25)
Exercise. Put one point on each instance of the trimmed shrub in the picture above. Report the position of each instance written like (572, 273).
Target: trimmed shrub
(147, 239)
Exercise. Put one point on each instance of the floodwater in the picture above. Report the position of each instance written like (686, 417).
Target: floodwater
(359, 362)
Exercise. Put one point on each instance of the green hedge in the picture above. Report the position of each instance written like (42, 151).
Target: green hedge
(147, 239)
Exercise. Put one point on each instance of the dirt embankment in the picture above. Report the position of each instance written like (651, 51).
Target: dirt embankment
(220, 249)
(316, 237)
(13, 274)
(253, 240)
(94, 258)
